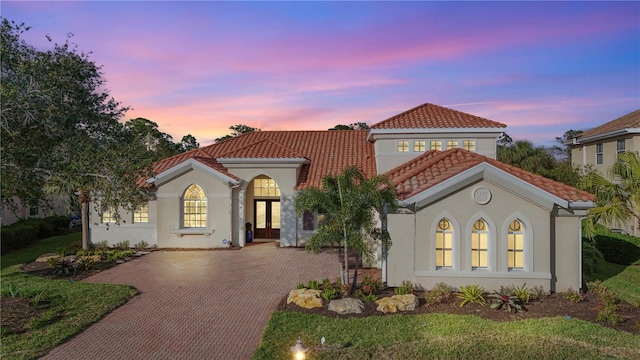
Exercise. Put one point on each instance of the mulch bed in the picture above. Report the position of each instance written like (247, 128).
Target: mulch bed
(552, 306)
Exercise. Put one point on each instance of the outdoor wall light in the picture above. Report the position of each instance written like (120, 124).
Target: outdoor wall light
(298, 350)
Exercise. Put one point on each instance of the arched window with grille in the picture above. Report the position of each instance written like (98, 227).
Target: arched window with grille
(194, 208)
(444, 244)
(515, 245)
(479, 245)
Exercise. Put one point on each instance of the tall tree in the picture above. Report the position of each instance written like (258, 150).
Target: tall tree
(188, 143)
(160, 143)
(61, 129)
(526, 156)
(618, 199)
(237, 130)
(348, 201)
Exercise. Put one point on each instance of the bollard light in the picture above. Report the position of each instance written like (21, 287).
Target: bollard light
(298, 350)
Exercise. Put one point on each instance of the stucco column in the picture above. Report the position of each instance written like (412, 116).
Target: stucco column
(568, 255)
(288, 223)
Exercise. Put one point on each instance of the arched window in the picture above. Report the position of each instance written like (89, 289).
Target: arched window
(194, 211)
(444, 244)
(479, 245)
(515, 245)
(265, 187)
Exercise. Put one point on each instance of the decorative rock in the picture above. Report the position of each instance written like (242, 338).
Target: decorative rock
(407, 302)
(386, 305)
(346, 306)
(397, 303)
(45, 257)
(306, 298)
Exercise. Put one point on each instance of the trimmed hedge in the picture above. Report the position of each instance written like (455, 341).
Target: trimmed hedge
(27, 231)
(618, 248)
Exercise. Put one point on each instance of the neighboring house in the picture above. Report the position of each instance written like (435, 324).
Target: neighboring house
(465, 217)
(600, 146)
(9, 214)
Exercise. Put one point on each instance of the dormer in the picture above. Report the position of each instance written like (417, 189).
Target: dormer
(431, 127)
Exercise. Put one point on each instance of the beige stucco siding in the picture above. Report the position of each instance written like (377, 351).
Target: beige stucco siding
(418, 260)
(388, 156)
(125, 230)
(567, 250)
(171, 233)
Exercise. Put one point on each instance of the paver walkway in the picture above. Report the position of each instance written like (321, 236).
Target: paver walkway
(196, 304)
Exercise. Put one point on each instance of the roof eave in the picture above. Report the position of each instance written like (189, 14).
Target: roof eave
(606, 135)
(184, 167)
(263, 160)
(373, 132)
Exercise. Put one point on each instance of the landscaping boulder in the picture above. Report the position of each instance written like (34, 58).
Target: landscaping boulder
(45, 257)
(397, 303)
(346, 306)
(306, 298)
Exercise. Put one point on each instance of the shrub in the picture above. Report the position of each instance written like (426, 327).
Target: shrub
(300, 286)
(142, 245)
(329, 294)
(86, 262)
(618, 248)
(521, 293)
(65, 266)
(573, 296)
(539, 293)
(371, 284)
(313, 284)
(102, 245)
(326, 283)
(405, 288)
(591, 257)
(471, 293)
(122, 245)
(439, 294)
(505, 301)
(53, 262)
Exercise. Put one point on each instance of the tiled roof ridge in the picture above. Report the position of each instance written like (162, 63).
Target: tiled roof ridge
(259, 142)
(439, 107)
(440, 156)
(615, 124)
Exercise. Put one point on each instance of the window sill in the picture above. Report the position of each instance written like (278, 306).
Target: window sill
(193, 231)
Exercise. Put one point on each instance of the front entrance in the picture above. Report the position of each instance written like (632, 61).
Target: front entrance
(267, 219)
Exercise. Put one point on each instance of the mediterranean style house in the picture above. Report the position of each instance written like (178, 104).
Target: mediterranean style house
(600, 146)
(465, 218)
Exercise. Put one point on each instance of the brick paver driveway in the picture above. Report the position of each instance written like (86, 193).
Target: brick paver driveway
(196, 304)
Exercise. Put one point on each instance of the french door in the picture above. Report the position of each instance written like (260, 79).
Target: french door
(267, 219)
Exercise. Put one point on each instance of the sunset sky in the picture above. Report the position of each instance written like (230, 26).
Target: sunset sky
(542, 68)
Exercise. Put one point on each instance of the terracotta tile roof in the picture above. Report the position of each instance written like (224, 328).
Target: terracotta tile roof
(263, 149)
(434, 167)
(328, 152)
(435, 117)
(631, 120)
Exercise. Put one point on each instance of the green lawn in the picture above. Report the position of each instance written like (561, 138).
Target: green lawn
(442, 336)
(69, 307)
(49, 245)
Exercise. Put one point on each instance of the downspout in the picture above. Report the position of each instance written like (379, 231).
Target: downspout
(580, 218)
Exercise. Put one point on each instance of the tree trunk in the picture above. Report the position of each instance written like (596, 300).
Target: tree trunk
(355, 276)
(84, 208)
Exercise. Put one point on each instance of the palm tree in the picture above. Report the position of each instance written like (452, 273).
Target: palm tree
(526, 156)
(618, 199)
(348, 201)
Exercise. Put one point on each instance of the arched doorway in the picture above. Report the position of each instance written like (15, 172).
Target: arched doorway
(266, 208)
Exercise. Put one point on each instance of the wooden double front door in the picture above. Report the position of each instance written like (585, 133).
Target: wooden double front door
(266, 219)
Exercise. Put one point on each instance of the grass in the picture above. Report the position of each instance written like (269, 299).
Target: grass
(48, 245)
(70, 307)
(442, 336)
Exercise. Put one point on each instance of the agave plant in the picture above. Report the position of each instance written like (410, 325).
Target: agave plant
(504, 301)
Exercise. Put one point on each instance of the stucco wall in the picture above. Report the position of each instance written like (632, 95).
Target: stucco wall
(416, 261)
(387, 156)
(219, 207)
(126, 230)
(566, 254)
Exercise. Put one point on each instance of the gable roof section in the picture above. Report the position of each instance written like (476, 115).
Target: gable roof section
(435, 167)
(326, 152)
(629, 123)
(430, 116)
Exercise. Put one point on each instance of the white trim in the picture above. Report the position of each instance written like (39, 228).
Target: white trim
(491, 244)
(193, 231)
(412, 131)
(455, 246)
(528, 243)
(610, 134)
(262, 160)
(185, 167)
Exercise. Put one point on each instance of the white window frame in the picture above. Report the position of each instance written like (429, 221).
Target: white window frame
(469, 145)
(435, 145)
(419, 146)
(477, 251)
(450, 144)
(620, 149)
(599, 153)
(195, 203)
(515, 249)
(141, 214)
(402, 146)
(107, 216)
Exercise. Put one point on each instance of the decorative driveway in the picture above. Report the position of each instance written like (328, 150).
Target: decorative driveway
(196, 304)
